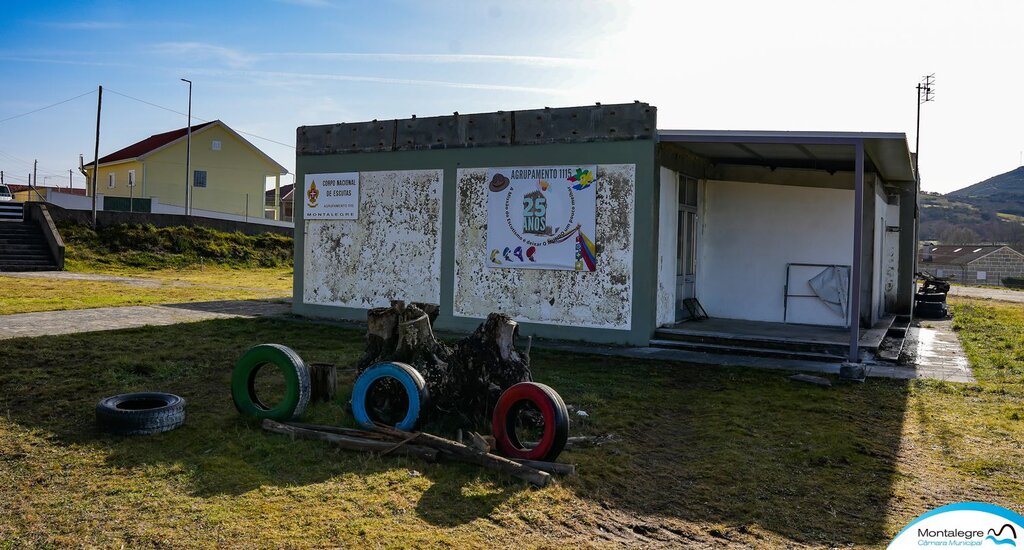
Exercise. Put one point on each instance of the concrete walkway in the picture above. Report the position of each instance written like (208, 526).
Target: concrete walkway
(985, 293)
(72, 276)
(51, 323)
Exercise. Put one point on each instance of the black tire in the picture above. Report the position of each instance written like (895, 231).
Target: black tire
(142, 413)
(932, 297)
(930, 310)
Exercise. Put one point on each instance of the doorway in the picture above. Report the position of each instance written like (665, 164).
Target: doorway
(686, 253)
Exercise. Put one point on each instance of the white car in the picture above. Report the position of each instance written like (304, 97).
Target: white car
(5, 193)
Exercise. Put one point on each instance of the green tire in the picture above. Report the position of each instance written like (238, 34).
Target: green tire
(296, 376)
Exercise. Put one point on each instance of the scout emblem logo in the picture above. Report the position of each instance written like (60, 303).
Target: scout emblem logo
(312, 194)
(535, 211)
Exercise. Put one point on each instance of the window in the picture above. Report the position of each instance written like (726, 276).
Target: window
(131, 178)
(111, 182)
(215, 145)
(199, 178)
(982, 275)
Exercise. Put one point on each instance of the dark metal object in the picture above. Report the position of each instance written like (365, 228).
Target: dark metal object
(696, 310)
(787, 295)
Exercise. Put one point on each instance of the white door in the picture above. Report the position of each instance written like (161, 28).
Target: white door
(686, 254)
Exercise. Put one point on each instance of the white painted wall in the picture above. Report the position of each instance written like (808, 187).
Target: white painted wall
(393, 251)
(877, 292)
(751, 231)
(668, 237)
(602, 299)
(891, 258)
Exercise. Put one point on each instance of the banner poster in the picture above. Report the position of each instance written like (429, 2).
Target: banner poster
(542, 217)
(331, 196)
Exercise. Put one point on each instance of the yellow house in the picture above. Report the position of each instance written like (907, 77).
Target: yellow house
(227, 174)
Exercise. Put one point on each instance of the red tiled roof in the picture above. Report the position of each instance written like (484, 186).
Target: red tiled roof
(151, 143)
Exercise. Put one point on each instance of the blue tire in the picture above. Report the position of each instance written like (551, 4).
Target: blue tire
(411, 381)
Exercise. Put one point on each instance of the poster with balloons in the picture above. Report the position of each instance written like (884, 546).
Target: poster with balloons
(542, 217)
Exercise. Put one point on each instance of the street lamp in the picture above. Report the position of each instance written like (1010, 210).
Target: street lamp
(188, 146)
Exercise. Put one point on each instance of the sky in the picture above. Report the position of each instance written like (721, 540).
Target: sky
(266, 67)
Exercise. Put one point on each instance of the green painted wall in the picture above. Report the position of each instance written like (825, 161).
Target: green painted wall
(645, 241)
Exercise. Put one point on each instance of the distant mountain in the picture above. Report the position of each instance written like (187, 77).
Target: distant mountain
(988, 211)
(1004, 187)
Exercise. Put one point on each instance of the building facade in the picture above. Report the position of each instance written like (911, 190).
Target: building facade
(972, 264)
(633, 221)
(227, 174)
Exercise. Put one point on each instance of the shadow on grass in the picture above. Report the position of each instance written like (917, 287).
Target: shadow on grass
(53, 384)
(709, 445)
(735, 446)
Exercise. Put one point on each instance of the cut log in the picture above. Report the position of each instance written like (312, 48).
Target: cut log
(457, 451)
(464, 380)
(549, 467)
(323, 381)
(352, 443)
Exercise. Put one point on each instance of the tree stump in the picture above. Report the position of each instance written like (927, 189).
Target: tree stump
(323, 381)
(465, 379)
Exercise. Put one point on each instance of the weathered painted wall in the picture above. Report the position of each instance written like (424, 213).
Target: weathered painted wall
(753, 231)
(668, 235)
(643, 279)
(393, 251)
(602, 299)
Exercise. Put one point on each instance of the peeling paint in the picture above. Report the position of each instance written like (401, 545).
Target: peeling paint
(602, 299)
(393, 251)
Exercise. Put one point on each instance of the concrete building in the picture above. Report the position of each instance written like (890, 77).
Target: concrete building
(227, 174)
(772, 232)
(972, 264)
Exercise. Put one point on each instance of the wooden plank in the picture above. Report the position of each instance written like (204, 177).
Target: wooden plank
(457, 451)
(351, 443)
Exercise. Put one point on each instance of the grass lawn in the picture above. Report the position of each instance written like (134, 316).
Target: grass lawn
(708, 456)
(165, 286)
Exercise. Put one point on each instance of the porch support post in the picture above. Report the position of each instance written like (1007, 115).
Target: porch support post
(858, 238)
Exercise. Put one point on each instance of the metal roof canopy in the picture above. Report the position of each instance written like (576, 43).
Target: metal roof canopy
(887, 153)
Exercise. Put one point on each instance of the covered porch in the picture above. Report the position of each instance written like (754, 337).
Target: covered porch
(748, 219)
(764, 338)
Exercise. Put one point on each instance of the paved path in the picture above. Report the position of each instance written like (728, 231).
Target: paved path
(50, 323)
(1001, 294)
(72, 276)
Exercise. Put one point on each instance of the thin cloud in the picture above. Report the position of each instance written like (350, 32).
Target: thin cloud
(533, 60)
(21, 59)
(85, 25)
(199, 50)
(275, 76)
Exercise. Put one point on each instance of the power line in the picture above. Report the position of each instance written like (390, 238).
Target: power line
(47, 107)
(193, 116)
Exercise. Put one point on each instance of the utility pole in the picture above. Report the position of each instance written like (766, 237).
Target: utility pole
(96, 156)
(71, 181)
(35, 178)
(188, 147)
(925, 93)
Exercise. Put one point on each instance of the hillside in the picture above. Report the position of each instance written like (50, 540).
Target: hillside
(1007, 187)
(988, 211)
(149, 247)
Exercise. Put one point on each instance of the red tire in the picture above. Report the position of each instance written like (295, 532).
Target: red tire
(552, 409)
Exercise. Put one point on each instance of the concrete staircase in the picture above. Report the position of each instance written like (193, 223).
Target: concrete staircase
(748, 346)
(22, 245)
